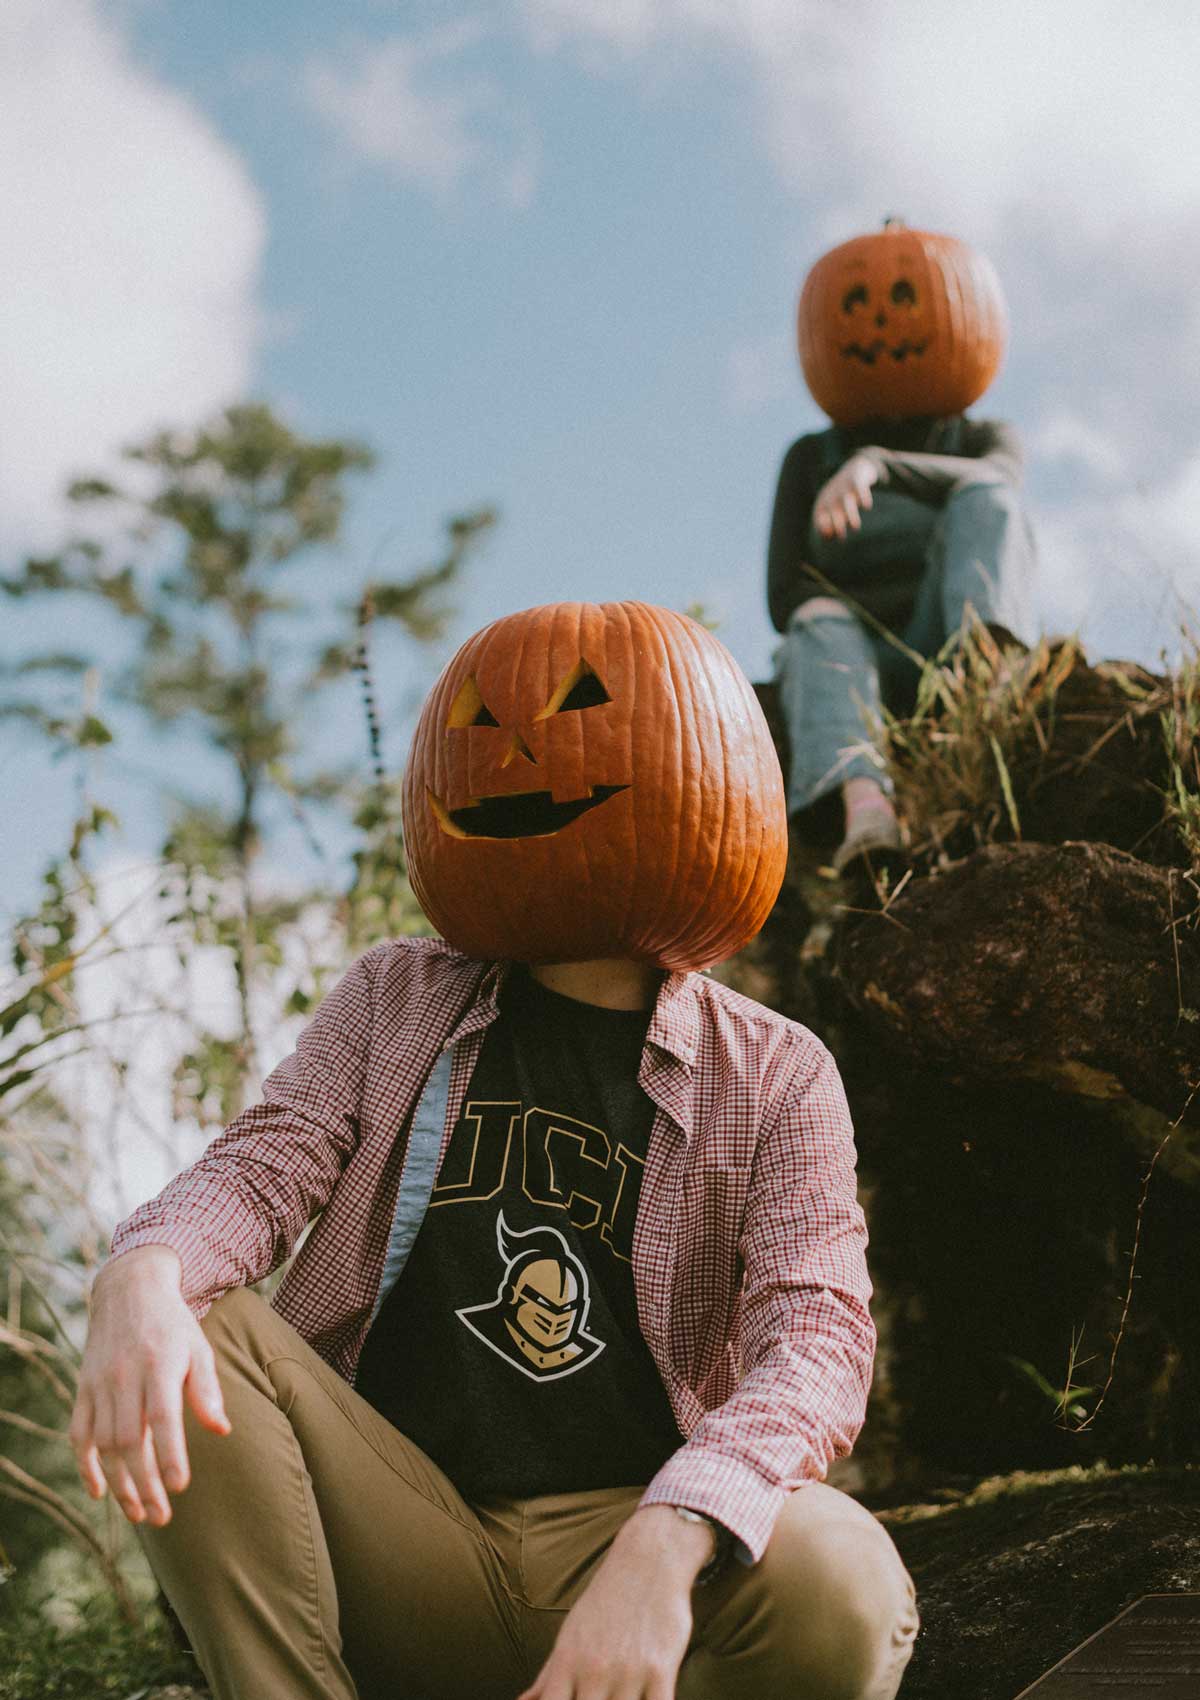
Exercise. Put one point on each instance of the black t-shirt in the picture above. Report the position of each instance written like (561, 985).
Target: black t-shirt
(509, 1348)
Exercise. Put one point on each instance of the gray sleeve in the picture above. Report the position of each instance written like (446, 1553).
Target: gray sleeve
(799, 481)
(994, 456)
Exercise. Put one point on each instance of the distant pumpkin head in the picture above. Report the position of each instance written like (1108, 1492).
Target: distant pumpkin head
(595, 780)
(899, 323)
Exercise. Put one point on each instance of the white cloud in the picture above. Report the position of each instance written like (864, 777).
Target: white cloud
(409, 104)
(1062, 139)
(1124, 572)
(1176, 505)
(957, 108)
(133, 239)
(519, 177)
(628, 25)
(1067, 437)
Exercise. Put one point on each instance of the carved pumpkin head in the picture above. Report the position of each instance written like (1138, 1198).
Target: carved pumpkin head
(595, 780)
(900, 323)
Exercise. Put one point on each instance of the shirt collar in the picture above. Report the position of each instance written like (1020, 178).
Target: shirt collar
(485, 1005)
(675, 1022)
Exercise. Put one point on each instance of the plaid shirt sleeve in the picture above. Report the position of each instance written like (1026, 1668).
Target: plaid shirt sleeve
(236, 1213)
(808, 1336)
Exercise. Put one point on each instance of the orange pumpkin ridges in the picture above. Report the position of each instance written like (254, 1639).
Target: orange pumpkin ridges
(900, 323)
(642, 814)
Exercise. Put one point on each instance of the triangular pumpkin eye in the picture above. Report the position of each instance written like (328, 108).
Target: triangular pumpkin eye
(580, 689)
(469, 708)
(587, 692)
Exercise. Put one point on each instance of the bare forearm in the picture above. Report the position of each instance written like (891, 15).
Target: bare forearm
(665, 1543)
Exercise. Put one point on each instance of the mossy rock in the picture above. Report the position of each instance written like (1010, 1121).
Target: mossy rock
(1016, 1572)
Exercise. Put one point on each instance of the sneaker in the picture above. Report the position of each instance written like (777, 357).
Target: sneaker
(873, 828)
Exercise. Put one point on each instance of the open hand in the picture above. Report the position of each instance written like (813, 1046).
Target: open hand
(840, 498)
(145, 1354)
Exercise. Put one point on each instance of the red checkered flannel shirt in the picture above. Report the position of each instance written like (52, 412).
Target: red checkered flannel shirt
(749, 1246)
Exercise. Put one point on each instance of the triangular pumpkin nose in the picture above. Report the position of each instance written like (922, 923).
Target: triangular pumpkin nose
(517, 747)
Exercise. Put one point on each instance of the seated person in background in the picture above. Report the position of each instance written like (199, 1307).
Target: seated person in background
(904, 503)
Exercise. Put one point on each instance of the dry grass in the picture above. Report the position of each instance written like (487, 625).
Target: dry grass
(984, 722)
(1181, 733)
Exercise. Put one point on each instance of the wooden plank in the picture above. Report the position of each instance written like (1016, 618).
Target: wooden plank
(1151, 1651)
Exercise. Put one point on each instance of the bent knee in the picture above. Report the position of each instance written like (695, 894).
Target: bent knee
(875, 1598)
(843, 1556)
(985, 489)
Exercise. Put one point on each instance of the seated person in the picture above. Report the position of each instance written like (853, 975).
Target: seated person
(544, 1404)
(914, 513)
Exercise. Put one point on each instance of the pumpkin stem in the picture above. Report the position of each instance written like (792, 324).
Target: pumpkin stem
(891, 222)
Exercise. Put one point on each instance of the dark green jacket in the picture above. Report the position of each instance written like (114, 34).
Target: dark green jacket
(923, 458)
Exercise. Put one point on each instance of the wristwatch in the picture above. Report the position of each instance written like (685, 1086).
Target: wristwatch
(722, 1542)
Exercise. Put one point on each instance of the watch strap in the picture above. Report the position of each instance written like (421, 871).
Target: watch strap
(722, 1542)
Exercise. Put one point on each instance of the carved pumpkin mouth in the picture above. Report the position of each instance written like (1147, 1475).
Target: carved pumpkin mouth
(522, 814)
(869, 352)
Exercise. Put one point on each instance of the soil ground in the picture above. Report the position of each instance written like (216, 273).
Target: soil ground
(1014, 1574)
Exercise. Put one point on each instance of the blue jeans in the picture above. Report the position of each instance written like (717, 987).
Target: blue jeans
(832, 668)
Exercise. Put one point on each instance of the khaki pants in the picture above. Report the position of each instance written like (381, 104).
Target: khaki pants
(318, 1553)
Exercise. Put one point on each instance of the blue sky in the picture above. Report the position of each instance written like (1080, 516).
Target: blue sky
(544, 254)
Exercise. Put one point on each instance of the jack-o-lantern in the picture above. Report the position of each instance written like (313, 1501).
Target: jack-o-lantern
(595, 780)
(899, 323)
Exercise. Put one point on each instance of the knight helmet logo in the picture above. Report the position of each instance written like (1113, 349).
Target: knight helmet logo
(537, 1321)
